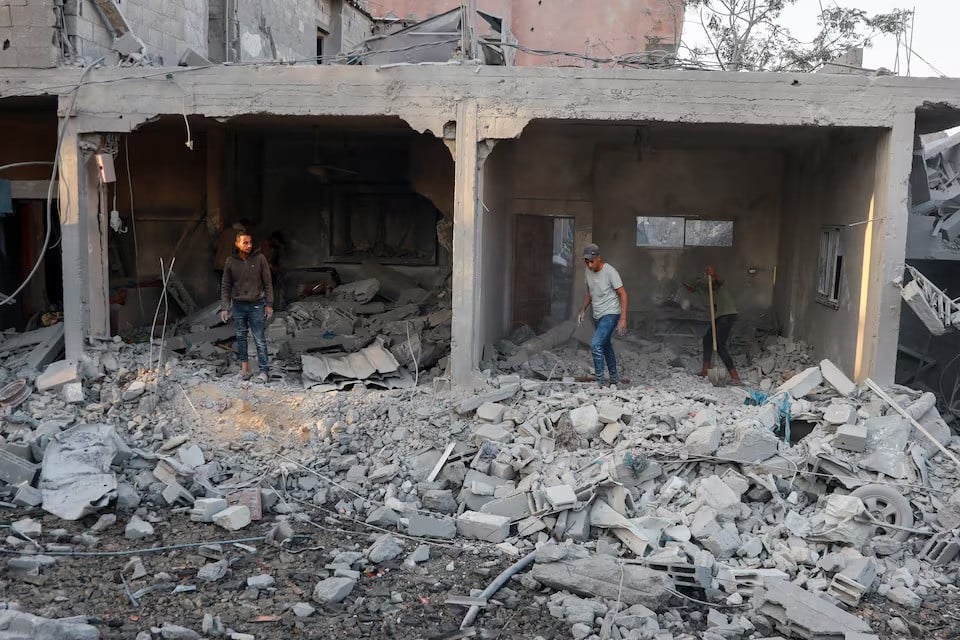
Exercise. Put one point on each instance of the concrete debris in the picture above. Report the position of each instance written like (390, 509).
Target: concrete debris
(18, 624)
(625, 494)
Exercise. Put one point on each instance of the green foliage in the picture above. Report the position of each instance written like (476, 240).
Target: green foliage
(746, 34)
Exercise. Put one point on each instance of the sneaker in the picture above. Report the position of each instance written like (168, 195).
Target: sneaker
(262, 378)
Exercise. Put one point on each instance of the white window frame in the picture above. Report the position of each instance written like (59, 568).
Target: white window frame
(830, 266)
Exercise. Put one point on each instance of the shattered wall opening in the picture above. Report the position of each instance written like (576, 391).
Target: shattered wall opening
(749, 200)
(30, 133)
(325, 195)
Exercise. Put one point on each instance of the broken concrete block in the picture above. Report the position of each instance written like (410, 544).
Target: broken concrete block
(483, 526)
(703, 441)
(16, 470)
(852, 438)
(798, 612)
(133, 391)
(441, 501)
(802, 384)
(491, 432)
(605, 577)
(491, 412)
(586, 421)
(912, 294)
(904, 597)
(213, 571)
(383, 517)
(385, 549)
(862, 570)
(57, 374)
(516, 506)
(72, 393)
(205, 508)
(27, 496)
(17, 624)
(303, 610)
(233, 518)
(263, 581)
(847, 591)
(333, 590)
(750, 444)
(718, 495)
(27, 528)
(191, 58)
(949, 514)
(138, 529)
(609, 412)
(611, 432)
(383, 474)
(561, 496)
(839, 413)
(837, 379)
(423, 526)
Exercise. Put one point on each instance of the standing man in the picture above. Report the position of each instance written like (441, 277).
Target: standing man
(246, 292)
(605, 291)
(726, 315)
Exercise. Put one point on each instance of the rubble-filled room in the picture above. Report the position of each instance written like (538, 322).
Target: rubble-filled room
(359, 204)
(780, 213)
(29, 232)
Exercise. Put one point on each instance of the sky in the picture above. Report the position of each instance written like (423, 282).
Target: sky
(936, 32)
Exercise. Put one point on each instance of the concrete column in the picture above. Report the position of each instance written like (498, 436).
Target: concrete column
(465, 347)
(880, 319)
(84, 245)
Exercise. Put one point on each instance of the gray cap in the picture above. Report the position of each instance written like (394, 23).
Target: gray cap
(591, 251)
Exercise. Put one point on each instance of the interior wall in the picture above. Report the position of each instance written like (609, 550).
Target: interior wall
(743, 186)
(606, 177)
(496, 245)
(830, 184)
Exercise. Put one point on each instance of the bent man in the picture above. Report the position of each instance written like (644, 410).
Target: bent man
(246, 292)
(609, 299)
(726, 315)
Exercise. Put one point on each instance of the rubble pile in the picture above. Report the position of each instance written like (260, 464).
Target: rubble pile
(783, 508)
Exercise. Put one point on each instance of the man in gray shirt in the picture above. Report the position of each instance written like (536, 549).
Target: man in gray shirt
(605, 291)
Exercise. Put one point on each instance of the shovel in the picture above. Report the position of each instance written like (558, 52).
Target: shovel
(715, 374)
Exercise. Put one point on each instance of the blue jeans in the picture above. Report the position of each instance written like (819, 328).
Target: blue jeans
(602, 347)
(253, 316)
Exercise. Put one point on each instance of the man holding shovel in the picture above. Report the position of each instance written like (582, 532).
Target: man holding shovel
(724, 314)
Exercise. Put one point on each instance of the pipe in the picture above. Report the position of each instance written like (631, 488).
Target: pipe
(498, 582)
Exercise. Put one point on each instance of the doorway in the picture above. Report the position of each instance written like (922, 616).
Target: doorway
(544, 270)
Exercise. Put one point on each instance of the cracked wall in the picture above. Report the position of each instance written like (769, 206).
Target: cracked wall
(29, 33)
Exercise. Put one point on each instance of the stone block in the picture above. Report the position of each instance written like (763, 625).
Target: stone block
(852, 438)
(798, 612)
(483, 526)
(423, 526)
(840, 413)
(333, 590)
(138, 529)
(718, 495)
(57, 374)
(560, 496)
(491, 412)
(205, 508)
(16, 470)
(703, 441)
(515, 507)
(837, 378)
(233, 518)
(750, 444)
(72, 393)
(383, 517)
(609, 412)
(441, 501)
(492, 432)
(586, 421)
(28, 496)
(385, 549)
(949, 515)
(803, 383)
(611, 432)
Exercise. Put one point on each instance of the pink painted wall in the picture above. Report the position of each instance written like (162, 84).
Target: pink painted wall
(578, 26)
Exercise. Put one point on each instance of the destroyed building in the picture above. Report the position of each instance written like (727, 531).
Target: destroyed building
(427, 460)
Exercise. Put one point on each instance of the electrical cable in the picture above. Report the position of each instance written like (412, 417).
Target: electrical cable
(133, 223)
(53, 177)
(14, 165)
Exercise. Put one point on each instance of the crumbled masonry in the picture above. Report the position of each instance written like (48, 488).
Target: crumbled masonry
(636, 500)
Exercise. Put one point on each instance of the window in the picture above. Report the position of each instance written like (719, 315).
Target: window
(659, 231)
(676, 232)
(709, 233)
(830, 267)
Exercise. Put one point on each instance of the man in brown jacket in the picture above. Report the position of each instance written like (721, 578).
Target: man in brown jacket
(246, 292)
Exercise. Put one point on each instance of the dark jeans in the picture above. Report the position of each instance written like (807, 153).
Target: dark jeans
(602, 347)
(724, 326)
(251, 315)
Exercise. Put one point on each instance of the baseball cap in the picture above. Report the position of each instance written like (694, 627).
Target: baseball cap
(591, 251)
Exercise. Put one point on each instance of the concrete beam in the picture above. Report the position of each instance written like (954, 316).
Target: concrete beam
(507, 97)
(83, 246)
(465, 347)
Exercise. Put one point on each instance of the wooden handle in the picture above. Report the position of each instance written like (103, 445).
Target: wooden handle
(713, 317)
